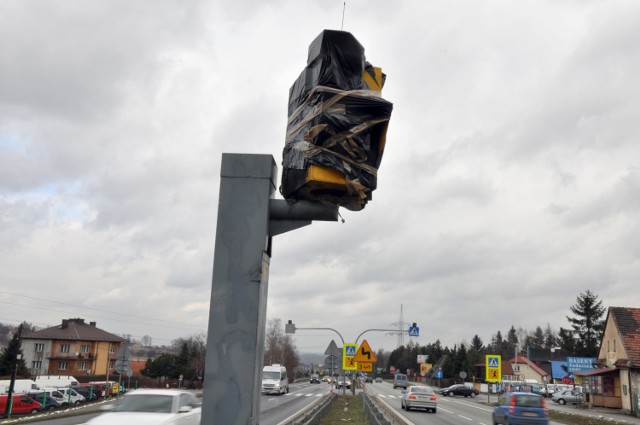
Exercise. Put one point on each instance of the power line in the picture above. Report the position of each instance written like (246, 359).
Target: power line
(99, 309)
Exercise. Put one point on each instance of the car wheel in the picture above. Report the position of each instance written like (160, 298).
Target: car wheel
(434, 410)
(402, 405)
(34, 411)
(473, 395)
(562, 401)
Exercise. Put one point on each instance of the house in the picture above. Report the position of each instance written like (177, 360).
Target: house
(525, 370)
(617, 375)
(72, 348)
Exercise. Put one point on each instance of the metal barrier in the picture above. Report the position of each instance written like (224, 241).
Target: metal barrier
(389, 415)
(312, 414)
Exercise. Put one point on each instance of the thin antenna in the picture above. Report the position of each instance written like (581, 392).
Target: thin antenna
(344, 6)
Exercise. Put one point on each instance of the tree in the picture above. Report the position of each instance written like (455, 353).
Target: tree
(279, 348)
(147, 341)
(512, 340)
(567, 341)
(550, 338)
(587, 323)
(477, 344)
(8, 358)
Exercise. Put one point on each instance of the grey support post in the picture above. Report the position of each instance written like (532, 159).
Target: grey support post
(248, 216)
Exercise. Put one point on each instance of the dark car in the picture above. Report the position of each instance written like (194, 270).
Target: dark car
(521, 409)
(368, 379)
(459, 389)
(48, 403)
(90, 392)
(314, 379)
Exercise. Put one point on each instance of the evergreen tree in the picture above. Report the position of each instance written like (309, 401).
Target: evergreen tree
(566, 341)
(512, 342)
(8, 358)
(587, 324)
(536, 340)
(477, 344)
(550, 338)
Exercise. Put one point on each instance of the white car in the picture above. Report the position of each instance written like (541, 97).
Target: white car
(152, 407)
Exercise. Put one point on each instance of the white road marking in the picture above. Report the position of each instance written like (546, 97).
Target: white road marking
(464, 417)
(445, 410)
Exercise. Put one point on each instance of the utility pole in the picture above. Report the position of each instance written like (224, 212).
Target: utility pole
(14, 372)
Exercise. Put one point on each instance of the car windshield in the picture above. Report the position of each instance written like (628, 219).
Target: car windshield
(528, 401)
(158, 403)
(421, 390)
(271, 375)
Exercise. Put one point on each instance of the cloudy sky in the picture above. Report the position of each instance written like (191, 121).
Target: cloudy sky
(510, 181)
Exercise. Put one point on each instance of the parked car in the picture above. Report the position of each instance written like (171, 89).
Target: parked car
(90, 393)
(459, 389)
(419, 396)
(314, 379)
(567, 396)
(167, 407)
(378, 380)
(45, 399)
(521, 408)
(20, 404)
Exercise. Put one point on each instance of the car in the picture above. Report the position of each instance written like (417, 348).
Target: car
(378, 380)
(368, 379)
(326, 378)
(567, 396)
(419, 396)
(399, 381)
(459, 389)
(147, 407)
(343, 381)
(520, 408)
(314, 379)
(48, 403)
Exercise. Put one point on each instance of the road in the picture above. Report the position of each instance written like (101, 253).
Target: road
(451, 410)
(273, 408)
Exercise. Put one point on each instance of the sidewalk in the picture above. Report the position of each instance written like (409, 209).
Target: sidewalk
(598, 412)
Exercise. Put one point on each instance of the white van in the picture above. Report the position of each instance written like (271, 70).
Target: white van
(57, 381)
(65, 396)
(274, 380)
(20, 386)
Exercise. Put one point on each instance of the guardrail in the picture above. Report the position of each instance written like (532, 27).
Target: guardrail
(382, 412)
(311, 414)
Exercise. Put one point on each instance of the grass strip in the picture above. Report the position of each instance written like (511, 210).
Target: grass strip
(347, 409)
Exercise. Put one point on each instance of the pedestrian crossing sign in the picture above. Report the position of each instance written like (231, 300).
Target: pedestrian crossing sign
(493, 367)
(348, 354)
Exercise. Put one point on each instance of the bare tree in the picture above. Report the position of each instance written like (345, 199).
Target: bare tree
(279, 347)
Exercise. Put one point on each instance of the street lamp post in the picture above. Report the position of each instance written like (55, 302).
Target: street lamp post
(14, 372)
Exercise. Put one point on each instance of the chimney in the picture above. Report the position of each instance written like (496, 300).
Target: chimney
(93, 324)
(65, 323)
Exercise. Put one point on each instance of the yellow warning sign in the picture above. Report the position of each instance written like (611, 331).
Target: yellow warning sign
(348, 354)
(493, 367)
(365, 354)
(365, 367)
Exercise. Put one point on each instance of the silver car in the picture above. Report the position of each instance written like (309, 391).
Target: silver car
(419, 396)
(567, 396)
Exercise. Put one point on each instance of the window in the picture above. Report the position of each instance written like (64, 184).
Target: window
(84, 348)
(62, 365)
(36, 364)
(82, 365)
(64, 348)
(112, 349)
(112, 364)
(39, 347)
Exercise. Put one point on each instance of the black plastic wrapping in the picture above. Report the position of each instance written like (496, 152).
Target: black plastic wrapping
(336, 121)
